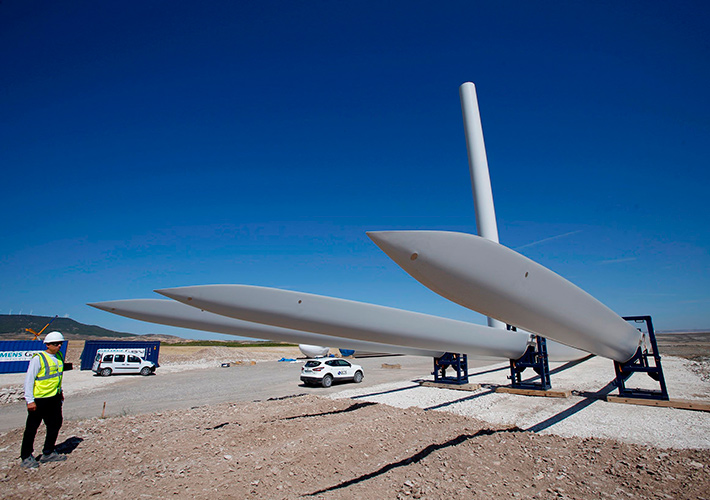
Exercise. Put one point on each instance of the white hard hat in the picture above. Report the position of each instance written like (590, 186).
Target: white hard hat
(53, 337)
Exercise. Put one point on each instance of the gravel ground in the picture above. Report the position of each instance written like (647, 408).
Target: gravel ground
(580, 415)
(393, 440)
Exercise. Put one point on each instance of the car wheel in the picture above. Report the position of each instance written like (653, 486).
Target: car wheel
(327, 381)
(105, 372)
(358, 377)
(145, 371)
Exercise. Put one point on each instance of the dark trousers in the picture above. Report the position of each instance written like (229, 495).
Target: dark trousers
(48, 410)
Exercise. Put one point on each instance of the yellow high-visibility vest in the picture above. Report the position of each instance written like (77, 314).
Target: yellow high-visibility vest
(48, 382)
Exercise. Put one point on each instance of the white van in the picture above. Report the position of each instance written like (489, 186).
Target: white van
(106, 363)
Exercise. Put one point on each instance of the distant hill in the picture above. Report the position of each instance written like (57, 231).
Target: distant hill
(12, 326)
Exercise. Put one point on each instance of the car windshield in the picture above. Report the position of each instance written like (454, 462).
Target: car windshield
(311, 364)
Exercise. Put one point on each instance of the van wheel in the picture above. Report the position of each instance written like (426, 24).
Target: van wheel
(105, 372)
(145, 371)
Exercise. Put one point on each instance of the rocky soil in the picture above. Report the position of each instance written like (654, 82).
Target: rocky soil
(312, 447)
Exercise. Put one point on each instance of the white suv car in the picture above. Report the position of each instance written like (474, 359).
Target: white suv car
(325, 371)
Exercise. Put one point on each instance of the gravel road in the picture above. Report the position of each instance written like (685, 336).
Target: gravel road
(179, 387)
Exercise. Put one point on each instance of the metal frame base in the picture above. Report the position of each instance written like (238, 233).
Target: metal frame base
(639, 363)
(535, 357)
(458, 362)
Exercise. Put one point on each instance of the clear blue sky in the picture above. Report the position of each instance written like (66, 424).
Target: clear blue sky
(150, 144)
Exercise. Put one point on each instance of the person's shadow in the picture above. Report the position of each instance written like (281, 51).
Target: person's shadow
(69, 445)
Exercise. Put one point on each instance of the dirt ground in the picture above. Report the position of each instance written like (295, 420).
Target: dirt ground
(182, 355)
(694, 345)
(314, 447)
(311, 447)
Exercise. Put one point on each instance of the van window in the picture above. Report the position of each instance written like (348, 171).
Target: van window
(120, 358)
(108, 358)
(133, 359)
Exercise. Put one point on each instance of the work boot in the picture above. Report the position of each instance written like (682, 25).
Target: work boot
(52, 457)
(30, 463)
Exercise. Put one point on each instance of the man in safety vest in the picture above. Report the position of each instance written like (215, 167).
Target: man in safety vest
(43, 393)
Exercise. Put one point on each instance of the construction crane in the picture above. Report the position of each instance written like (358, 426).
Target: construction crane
(37, 334)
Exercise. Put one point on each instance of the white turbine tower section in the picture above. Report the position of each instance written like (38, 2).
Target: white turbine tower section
(358, 320)
(480, 176)
(499, 282)
(171, 313)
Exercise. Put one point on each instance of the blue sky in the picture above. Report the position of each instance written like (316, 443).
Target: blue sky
(154, 144)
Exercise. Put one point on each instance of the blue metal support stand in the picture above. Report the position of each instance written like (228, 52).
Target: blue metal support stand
(639, 363)
(455, 361)
(535, 357)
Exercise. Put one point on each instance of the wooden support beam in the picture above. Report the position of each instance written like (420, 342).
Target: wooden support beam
(457, 387)
(535, 392)
(683, 404)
